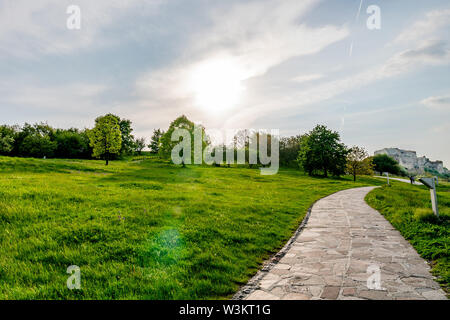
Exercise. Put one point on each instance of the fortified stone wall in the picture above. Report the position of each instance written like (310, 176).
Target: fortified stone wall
(409, 160)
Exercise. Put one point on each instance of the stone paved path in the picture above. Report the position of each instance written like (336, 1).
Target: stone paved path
(342, 245)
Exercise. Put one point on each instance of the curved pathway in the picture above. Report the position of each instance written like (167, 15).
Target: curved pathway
(347, 250)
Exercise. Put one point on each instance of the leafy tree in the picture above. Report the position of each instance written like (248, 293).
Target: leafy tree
(105, 138)
(155, 140)
(359, 162)
(127, 145)
(139, 145)
(321, 150)
(36, 141)
(385, 163)
(36, 146)
(72, 144)
(7, 134)
(289, 148)
(166, 143)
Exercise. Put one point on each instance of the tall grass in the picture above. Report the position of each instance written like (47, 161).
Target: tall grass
(144, 229)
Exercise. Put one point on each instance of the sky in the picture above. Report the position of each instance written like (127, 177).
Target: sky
(260, 64)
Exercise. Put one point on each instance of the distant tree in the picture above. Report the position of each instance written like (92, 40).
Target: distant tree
(127, 145)
(385, 163)
(36, 141)
(166, 143)
(7, 134)
(359, 162)
(321, 150)
(241, 142)
(155, 140)
(72, 144)
(241, 139)
(289, 148)
(139, 145)
(255, 138)
(105, 138)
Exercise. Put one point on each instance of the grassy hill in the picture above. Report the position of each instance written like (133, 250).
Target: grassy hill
(144, 229)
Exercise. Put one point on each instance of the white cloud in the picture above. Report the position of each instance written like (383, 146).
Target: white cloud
(437, 103)
(262, 34)
(32, 28)
(254, 37)
(61, 98)
(433, 51)
(307, 78)
(429, 28)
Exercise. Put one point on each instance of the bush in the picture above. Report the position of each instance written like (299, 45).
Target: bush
(385, 163)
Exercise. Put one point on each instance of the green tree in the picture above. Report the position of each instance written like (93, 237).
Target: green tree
(105, 138)
(385, 163)
(127, 145)
(7, 134)
(36, 141)
(72, 144)
(166, 143)
(139, 145)
(321, 150)
(289, 148)
(155, 140)
(359, 162)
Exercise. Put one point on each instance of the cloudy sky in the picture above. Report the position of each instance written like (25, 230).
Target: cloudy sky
(263, 64)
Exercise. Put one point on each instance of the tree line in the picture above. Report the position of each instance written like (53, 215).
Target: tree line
(41, 140)
(318, 152)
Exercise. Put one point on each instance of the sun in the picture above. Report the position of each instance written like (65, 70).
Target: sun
(217, 85)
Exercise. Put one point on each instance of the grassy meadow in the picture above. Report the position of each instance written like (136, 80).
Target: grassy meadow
(408, 209)
(144, 229)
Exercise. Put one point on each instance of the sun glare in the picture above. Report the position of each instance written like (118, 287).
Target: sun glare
(216, 85)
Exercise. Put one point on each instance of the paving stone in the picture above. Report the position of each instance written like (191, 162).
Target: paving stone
(330, 258)
(266, 284)
(433, 295)
(262, 295)
(330, 293)
(296, 296)
(278, 291)
(315, 290)
(349, 291)
(279, 271)
(282, 266)
(374, 295)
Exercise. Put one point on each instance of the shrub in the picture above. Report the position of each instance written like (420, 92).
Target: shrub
(385, 163)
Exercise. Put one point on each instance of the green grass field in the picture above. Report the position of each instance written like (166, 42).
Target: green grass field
(408, 209)
(144, 229)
